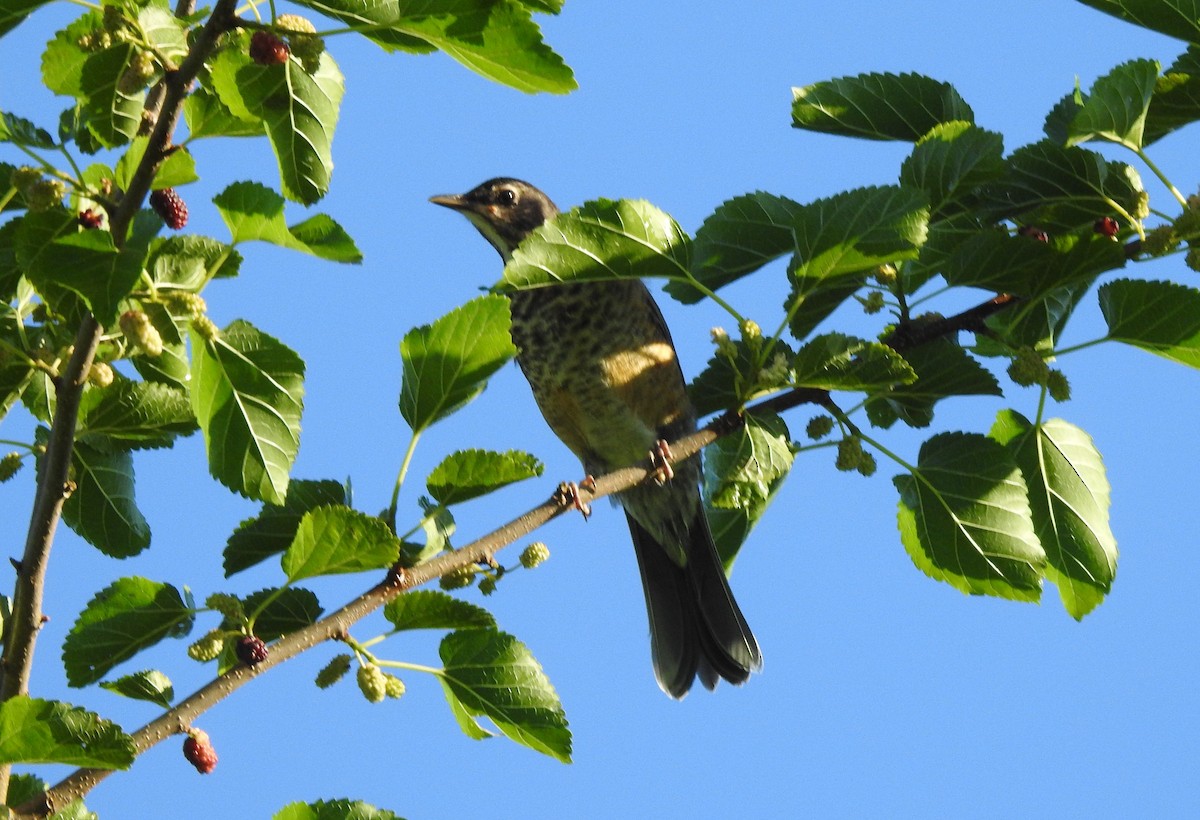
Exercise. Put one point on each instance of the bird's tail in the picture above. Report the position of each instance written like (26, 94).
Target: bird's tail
(696, 627)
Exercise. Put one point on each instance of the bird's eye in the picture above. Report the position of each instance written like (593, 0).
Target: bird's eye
(506, 196)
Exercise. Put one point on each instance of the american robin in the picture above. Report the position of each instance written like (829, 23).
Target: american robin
(603, 370)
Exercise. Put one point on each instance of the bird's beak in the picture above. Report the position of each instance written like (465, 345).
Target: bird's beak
(454, 201)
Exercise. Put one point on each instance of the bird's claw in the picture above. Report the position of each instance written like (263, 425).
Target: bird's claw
(568, 494)
(660, 460)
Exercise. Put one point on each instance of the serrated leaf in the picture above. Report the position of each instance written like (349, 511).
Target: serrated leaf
(1116, 107)
(943, 369)
(138, 414)
(112, 115)
(431, 609)
(299, 110)
(448, 363)
(179, 168)
(741, 468)
(75, 810)
(253, 211)
(172, 367)
(101, 508)
(964, 518)
(1061, 189)
(1161, 317)
(739, 237)
(149, 684)
(57, 257)
(731, 527)
(273, 530)
(333, 810)
(729, 385)
(64, 58)
(438, 525)
(468, 474)
(49, 731)
(494, 38)
(835, 361)
(1175, 18)
(248, 394)
(1069, 499)
(283, 611)
(334, 540)
(1176, 100)
(599, 241)
(950, 162)
(188, 262)
(207, 116)
(1003, 263)
(124, 618)
(163, 30)
(878, 106)
(490, 673)
(1034, 323)
(22, 787)
(21, 131)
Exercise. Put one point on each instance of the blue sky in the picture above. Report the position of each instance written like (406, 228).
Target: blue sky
(883, 692)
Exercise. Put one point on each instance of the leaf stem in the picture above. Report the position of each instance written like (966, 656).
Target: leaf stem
(390, 517)
(1144, 157)
(415, 667)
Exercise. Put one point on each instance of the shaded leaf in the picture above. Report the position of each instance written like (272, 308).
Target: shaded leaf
(1176, 18)
(835, 361)
(943, 369)
(273, 530)
(1161, 317)
(1176, 100)
(964, 518)
(878, 106)
(49, 731)
(431, 609)
(188, 262)
(333, 810)
(740, 468)
(102, 509)
(112, 115)
(950, 162)
(1116, 107)
(1003, 263)
(288, 610)
(21, 131)
(126, 617)
(138, 414)
(149, 684)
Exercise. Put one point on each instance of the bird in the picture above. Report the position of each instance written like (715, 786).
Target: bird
(604, 372)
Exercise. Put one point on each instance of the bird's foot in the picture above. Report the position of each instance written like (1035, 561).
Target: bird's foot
(660, 460)
(568, 494)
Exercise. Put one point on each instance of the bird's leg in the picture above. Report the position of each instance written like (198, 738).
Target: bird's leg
(568, 494)
(660, 460)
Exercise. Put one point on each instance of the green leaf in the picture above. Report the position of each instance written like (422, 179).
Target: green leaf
(468, 474)
(333, 810)
(1036, 323)
(1117, 105)
(247, 394)
(20, 131)
(943, 369)
(149, 684)
(138, 414)
(102, 509)
(840, 238)
(490, 673)
(23, 787)
(731, 527)
(494, 38)
(729, 385)
(950, 162)
(299, 109)
(1175, 18)
(448, 363)
(1161, 317)
(75, 810)
(599, 241)
(334, 540)
(207, 116)
(112, 116)
(431, 609)
(49, 731)
(273, 530)
(56, 256)
(253, 211)
(1069, 498)
(878, 106)
(177, 169)
(285, 610)
(741, 236)
(741, 468)
(163, 30)
(964, 518)
(12, 12)
(437, 523)
(1061, 189)
(64, 58)
(184, 262)
(1176, 100)
(835, 361)
(1002, 263)
(126, 617)
(172, 368)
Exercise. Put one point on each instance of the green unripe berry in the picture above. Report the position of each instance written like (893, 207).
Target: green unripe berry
(866, 464)
(228, 605)
(873, 303)
(205, 327)
(457, 579)
(208, 648)
(1028, 368)
(372, 682)
(1192, 258)
(393, 686)
(141, 332)
(1057, 386)
(333, 671)
(44, 194)
(24, 177)
(849, 454)
(100, 374)
(9, 465)
(534, 554)
(137, 74)
(750, 329)
(487, 585)
(1160, 241)
(819, 427)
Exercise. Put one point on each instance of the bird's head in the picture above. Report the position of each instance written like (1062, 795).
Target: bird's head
(503, 209)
